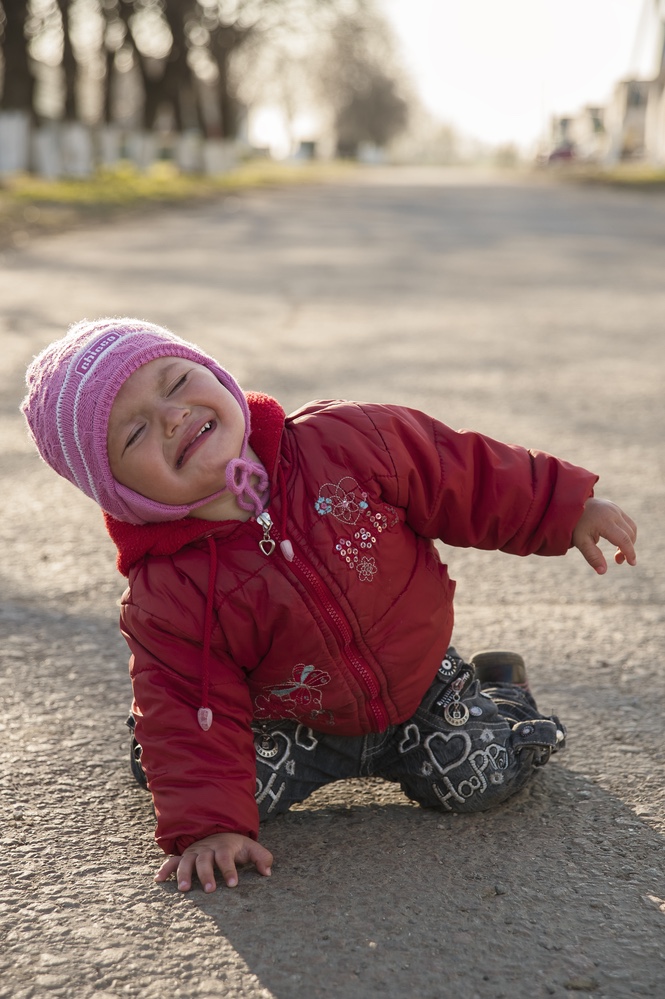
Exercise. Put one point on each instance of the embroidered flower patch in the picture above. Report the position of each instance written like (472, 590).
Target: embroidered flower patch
(366, 569)
(298, 697)
(343, 500)
(348, 504)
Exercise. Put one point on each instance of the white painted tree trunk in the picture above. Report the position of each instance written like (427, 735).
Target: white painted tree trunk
(63, 149)
(189, 152)
(109, 145)
(14, 141)
(47, 154)
(219, 156)
(77, 150)
(141, 149)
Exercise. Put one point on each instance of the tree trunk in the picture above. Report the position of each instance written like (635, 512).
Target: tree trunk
(223, 41)
(19, 82)
(107, 101)
(69, 64)
(178, 84)
(174, 86)
(151, 86)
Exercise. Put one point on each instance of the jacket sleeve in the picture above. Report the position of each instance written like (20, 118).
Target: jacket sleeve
(469, 490)
(201, 782)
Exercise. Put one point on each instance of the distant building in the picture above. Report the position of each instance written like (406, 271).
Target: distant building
(631, 127)
(635, 118)
(625, 120)
(562, 146)
(588, 135)
(654, 130)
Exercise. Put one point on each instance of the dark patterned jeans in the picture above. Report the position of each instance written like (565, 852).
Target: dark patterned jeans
(466, 749)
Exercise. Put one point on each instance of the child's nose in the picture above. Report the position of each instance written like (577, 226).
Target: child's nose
(173, 416)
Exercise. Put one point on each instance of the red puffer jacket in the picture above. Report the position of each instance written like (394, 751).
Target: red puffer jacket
(347, 635)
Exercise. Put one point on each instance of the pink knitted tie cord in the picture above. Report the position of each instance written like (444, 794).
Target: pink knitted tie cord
(239, 472)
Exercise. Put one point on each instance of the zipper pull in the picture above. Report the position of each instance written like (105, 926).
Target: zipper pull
(266, 544)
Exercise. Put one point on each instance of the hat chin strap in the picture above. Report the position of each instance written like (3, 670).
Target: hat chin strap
(239, 473)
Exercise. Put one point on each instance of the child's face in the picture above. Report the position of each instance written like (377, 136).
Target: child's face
(172, 430)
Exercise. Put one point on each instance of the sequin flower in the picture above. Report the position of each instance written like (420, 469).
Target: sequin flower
(347, 552)
(364, 538)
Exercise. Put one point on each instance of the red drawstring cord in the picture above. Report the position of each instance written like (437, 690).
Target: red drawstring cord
(204, 714)
(285, 545)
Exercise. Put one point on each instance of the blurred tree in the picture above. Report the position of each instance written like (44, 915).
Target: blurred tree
(180, 48)
(375, 113)
(225, 40)
(18, 78)
(361, 78)
(177, 64)
(507, 155)
(155, 35)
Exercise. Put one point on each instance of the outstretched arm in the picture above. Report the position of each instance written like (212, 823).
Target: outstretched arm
(222, 850)
(604, 519)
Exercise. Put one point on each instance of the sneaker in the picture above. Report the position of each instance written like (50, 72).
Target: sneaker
(495, 668)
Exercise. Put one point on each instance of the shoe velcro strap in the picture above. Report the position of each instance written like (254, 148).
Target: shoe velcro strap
(536, 732)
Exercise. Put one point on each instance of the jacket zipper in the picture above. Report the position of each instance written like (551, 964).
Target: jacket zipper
(334, 614)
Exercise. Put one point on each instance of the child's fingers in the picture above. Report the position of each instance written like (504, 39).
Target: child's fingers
(202, 857)
(168, 867)
(204, 870)
(625, 553)
(604, 519)
(261, 858)
(225, 861)
(185, 869)
(253, 853)
(623, 535)
(592, 553)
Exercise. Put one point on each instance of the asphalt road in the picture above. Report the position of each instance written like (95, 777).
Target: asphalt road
(532, 311)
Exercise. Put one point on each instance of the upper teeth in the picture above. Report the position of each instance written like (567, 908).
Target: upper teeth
(206, 426)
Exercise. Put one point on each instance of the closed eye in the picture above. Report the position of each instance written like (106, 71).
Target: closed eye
(181, 381)
(135, 436)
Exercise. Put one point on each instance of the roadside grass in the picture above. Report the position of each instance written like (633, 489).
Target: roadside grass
(30, 205)
(638, 176)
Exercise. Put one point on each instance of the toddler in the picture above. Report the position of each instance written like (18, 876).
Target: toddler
(287, 613)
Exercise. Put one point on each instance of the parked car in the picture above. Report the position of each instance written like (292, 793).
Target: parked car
(562, 154)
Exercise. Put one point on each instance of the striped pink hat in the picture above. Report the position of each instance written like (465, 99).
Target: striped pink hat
(72, 385)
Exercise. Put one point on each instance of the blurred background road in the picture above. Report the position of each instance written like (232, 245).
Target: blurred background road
(532, 311)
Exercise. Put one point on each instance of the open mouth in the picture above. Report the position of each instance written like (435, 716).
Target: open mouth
(195, 441)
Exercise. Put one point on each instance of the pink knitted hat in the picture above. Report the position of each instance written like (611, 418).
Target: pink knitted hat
(72, 385)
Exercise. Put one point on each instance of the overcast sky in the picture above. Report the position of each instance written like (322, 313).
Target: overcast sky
(497, 69)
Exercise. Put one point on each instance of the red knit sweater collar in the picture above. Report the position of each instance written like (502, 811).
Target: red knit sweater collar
(135, 541)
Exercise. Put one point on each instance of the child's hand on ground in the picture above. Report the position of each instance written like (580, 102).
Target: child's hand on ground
(604, 519)
(223, 850)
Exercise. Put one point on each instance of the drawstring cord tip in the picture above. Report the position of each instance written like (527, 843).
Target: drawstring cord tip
(204, 716)
(287, 550)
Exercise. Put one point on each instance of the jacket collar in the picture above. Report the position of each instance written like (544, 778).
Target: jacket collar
(134, 541)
